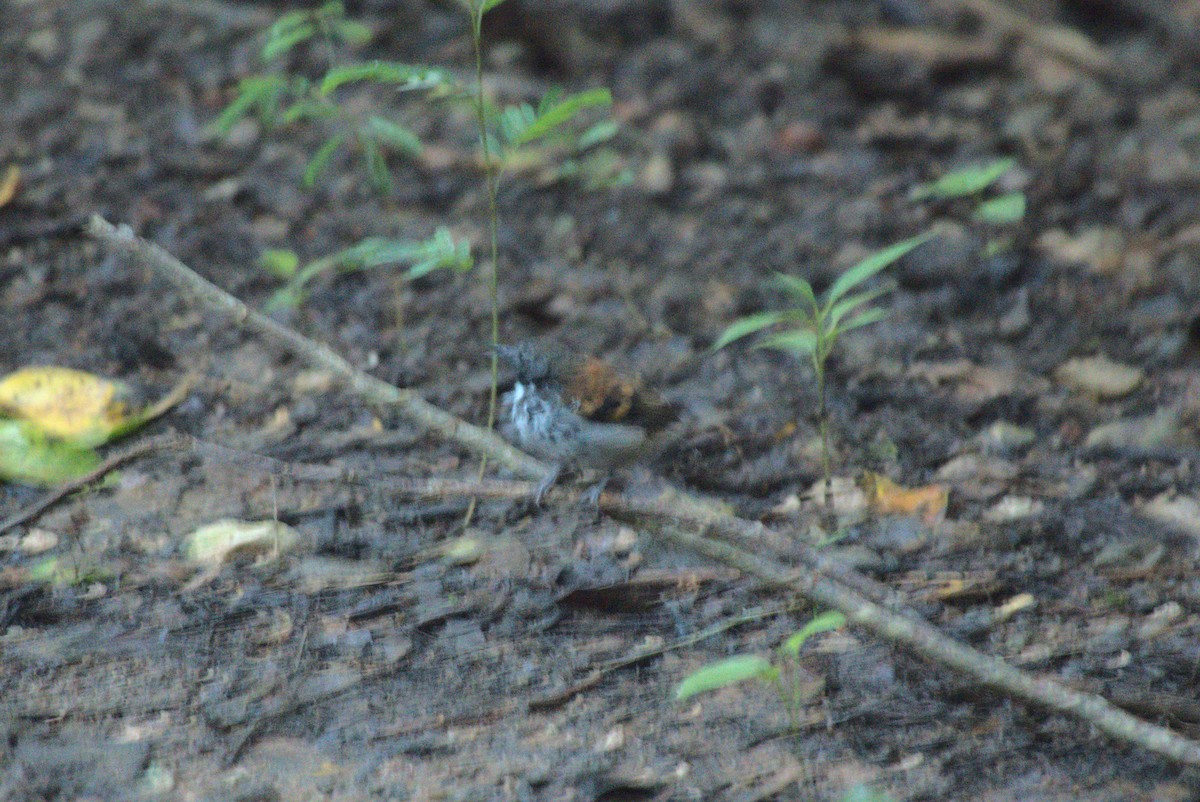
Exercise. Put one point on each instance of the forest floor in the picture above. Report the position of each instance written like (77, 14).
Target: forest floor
(1043, 373)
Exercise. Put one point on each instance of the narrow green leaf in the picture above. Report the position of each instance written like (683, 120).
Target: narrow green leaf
(376, 252)
(307, 110)
(797, 341)
(514, 121)
(448, 248)
(562, 112)
(408, 77)
(377, 169)
(1002, 211)
(868, 317)
(279, 43)
(600, 132)
(721, 674)
(351, 32)
(747, 325)
(850, 303)
(798, 288)
(289, 23)
(488, 5)
(872, 265)
(967, 181)
(826, 622)
(287, 297)
(331, 10)
(320, 159)
(438, 252)
(394, 135)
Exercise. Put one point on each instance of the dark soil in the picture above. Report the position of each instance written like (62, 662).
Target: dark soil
(759, 138)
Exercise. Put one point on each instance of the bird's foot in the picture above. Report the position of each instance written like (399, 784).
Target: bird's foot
(547, 482)
(592, 496)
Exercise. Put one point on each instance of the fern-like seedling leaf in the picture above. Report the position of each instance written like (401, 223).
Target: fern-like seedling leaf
(395, 136)
(284, 40)
(352, 32)
(377, 169)
(262, 91)
(307, 110)
(406, 77)
(556, 113)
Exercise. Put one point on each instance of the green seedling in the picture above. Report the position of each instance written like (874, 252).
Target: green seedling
(972, 183)
(965, 182)
(509, 136)
(782, 673)
(812, 326)
(282, 98)
(439, 252)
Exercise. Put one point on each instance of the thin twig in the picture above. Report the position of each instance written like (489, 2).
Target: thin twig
(1065, 43)
(160, 442)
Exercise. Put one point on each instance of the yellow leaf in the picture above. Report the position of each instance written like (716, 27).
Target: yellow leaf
(65, 403)
(888, 498)
(9, 184)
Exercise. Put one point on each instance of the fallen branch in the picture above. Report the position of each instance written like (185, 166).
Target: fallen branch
(369, 388)
(818, 578)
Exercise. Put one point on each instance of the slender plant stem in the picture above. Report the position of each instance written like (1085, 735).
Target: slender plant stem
(492, 180)
(823, 425)
(493, 187)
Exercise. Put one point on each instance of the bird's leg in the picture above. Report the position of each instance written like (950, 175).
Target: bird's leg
(592, 496)
(547, 482)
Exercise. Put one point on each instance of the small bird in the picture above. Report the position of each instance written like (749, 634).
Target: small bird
(572, 410)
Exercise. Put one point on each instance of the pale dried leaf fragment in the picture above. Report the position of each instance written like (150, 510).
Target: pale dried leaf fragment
(1148, 431)
(229, 540)
(1099, 376)
(1181, 513)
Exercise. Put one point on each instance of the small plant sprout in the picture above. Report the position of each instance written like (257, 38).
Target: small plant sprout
(783, 673)
(441, 251)
(812, 326)
(281, 98)
(1006, 209)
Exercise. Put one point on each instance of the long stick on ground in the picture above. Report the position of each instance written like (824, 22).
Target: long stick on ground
(371, 389)
(818, 578)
